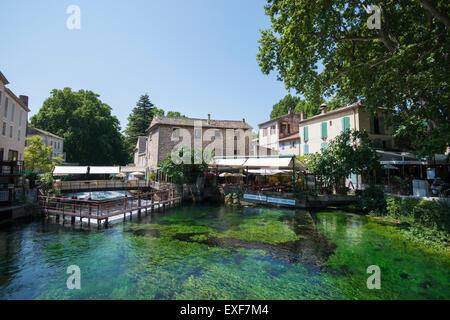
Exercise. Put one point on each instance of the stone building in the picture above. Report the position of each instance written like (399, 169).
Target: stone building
(49, 139)
(280, 135)
(13, 122)
(167, 134)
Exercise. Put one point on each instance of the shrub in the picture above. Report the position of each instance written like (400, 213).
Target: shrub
(372, 200)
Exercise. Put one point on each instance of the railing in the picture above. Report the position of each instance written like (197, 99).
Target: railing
(104, 209)
(11, 167)
(100, 184)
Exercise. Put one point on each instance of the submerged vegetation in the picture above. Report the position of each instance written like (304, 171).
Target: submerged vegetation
(210, 252)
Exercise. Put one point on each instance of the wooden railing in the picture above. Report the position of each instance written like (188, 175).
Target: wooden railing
(99, 185)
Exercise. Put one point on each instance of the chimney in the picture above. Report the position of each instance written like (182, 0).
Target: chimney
(24, 99)
(323, 107)
(209, 118)
(243, 120)
(302, 116)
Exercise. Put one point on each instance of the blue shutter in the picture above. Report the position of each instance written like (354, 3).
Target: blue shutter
(305, 149)
(324, 130)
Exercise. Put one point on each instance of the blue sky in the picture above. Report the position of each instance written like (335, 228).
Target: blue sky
(196, 56)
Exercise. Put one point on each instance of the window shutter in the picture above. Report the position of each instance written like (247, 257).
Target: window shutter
(324, 130)
(305, 149)
(305, 134)
(381, 119)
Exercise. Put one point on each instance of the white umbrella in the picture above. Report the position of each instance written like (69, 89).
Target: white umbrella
(138, 174)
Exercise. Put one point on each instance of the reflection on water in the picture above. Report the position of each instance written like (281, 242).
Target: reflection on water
(218, 252)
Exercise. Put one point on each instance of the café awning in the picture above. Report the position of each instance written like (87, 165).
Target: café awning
(104, 170)
(231, 163)
(66, 170)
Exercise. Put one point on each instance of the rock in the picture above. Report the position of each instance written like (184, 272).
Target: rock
(154, 233)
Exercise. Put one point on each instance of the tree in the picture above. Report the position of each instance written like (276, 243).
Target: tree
(283, 106)
(324, 48)
(139, 120)
(38, 156)
(351, 152)
(184, 172)
(91, 134)
(175, 114)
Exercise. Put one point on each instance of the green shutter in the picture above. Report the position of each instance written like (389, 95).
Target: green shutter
(345, 123)
(305, 134)
(324, 130)
(305, 149)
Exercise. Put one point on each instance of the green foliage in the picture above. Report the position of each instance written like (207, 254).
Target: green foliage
(298, 105)
(152, 176)
(232, 199)
(349, 153)
(175, 114)
(324, 48)
(372, 200)
(428, 221)
(46, 182)
(38, 156)
(91, 134)
(182, 167)
(138, 121)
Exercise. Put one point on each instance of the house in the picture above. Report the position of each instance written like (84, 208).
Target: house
(49, 139)
(140, 154)
(318, 130)
(167, 134)
(280, 135)
(13, 115)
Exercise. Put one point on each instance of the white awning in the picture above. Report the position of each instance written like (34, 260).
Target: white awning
(232, 163)
(268, 163)
(268, 172)
(130, 169)
(65, 170)
(104, 170)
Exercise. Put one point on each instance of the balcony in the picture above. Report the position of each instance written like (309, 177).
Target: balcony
(11, 168)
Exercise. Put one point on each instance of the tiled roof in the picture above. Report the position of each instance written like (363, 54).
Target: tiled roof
(291, 137)
(33, 131)
(279, 118)
(189, 122)
(332, 112)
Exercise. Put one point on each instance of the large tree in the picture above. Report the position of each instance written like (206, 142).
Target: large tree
(139, 120)
(91, 134)
(324, 48)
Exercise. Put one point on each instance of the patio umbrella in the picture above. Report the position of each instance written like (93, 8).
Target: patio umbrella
(120, 175)
(138, 174)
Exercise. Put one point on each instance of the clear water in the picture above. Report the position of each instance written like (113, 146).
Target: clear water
(212, 252)
(99, 195)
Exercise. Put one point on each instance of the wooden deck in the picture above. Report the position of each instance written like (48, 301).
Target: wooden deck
(103, 211)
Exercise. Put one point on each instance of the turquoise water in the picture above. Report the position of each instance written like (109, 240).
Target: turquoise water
(99, 195)
(218, 252)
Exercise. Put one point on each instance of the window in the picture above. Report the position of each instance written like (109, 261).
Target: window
(197, 134)
(305, 149)
(323, 126)
(175, 132)
(272, 130)
(376, 125)
(217, 134)
(4, 129)
(18, 135)
(13, 109)
(263, 132)
(290, 144)
(20, 117)
(305, 134)
(12, 155)
(6, 108)
(345, 123)
(282, 146)
(236, 135)
(295, 144)
(331, 123)
(11, 131)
